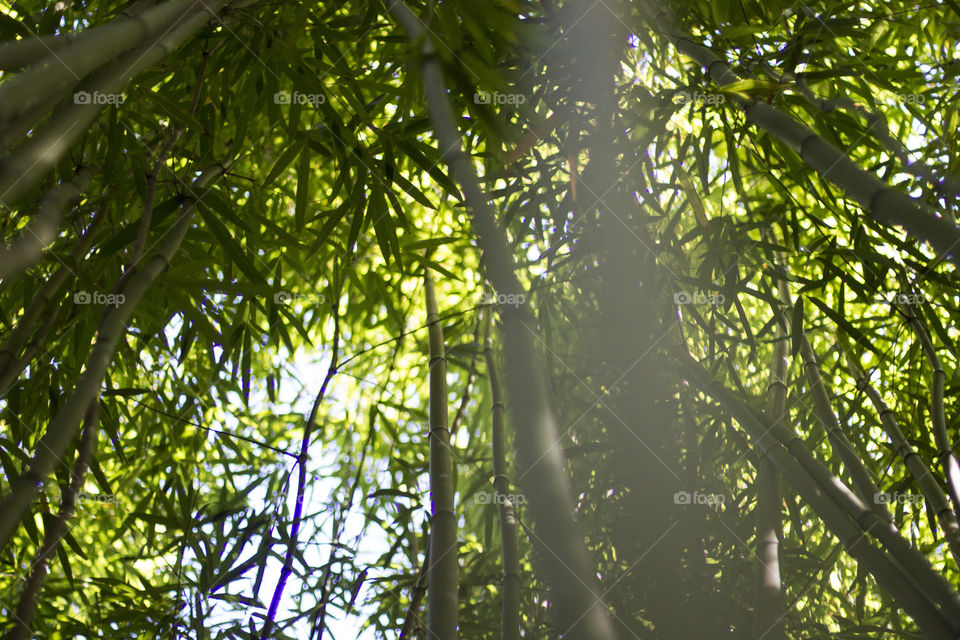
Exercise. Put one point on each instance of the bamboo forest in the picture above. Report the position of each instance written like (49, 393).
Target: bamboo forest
(480, 319)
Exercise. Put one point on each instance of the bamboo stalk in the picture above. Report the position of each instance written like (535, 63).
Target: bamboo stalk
(946, 456)
(771, 605)
(24, 252)
(913, 562)
(579, 608)
(15, 54)
(112, 328)
(847, 526)
(877, 124)
(882, 203)
(823, 408)
(442, 600)
(61, 70)
(925, 479)
(865, 485)
(27, 606)
(45, 148)
(15, 341)
(510, 606)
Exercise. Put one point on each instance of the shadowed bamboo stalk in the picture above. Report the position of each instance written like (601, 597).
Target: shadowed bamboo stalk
(15, 54)
(927, 482)
(877, 124)
(945, 454)
(865, 485)
(442, 601)
(56, 530)
(12, 366)
(28, 248)
(112, 329)
(771, 605)
(578, 607)
(44, 149)
(510, 607)
(848, 526)
(882, 203)
(913, 562)
(823, 408)
(62, 69)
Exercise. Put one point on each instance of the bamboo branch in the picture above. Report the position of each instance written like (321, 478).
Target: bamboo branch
(112, 329)
(882, 203)
(573, 581)
(442, 596)
(301, 464)
(28, 248)
(927, 482)
(416, 596)
(946, 456)
(510, 606)
(27, 607)
(823, 408)
(45, 148)
(849, 526)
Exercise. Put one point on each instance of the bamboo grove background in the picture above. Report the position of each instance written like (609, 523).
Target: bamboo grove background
(492, 320)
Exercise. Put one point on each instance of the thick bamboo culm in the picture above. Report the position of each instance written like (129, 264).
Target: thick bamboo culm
(442, 601)
(16, 54)
(510, 608)
(62, 69)
(21, 169)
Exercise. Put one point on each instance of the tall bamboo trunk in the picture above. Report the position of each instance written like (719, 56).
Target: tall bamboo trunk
(578, 605)
(510, 608)
(442, 601)
(770, 603)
